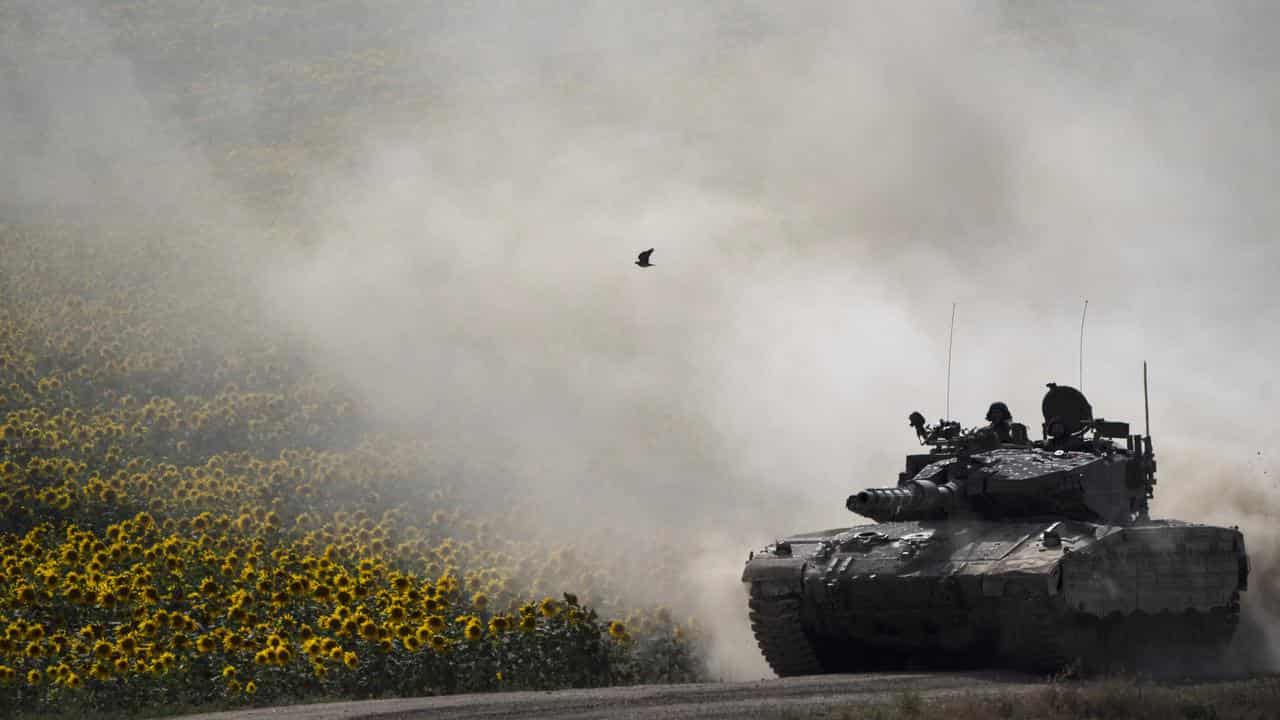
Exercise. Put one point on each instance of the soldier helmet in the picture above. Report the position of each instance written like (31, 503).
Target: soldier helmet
(999, 412)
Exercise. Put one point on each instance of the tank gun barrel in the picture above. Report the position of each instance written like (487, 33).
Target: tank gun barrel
(914, 500)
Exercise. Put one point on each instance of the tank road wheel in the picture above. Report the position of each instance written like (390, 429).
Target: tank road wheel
(1188, 641)
(1212, 637)
(1033, 637)
(1218, 627)
(775, 621)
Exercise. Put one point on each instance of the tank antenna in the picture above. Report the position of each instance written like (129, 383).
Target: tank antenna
(951, 336)
(1146, 404)
(1083, 313)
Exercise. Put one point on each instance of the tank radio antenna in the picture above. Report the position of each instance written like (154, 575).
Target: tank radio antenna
(951, 336)
(1146, 404)
(1083, 313)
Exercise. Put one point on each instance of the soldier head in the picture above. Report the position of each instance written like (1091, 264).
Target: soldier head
(999, 413)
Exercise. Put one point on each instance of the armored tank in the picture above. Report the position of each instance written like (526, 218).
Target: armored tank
(996, 549)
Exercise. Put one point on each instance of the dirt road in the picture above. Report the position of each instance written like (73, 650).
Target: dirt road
(711, 700)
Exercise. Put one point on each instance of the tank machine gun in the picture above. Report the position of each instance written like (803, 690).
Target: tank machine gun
(995, 547)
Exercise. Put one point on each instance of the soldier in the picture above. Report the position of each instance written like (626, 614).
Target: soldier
(1001, 421)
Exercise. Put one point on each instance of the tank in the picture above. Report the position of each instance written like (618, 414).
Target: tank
(993, 549)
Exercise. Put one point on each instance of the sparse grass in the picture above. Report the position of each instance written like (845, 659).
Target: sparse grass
(909, 704)
(1110, 699)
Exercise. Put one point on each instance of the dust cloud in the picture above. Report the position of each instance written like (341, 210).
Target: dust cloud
(821, 182)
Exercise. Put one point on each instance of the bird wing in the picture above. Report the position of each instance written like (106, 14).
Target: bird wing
(644, 256)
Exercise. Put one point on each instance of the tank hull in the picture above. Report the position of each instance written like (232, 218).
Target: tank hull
(1035, 595)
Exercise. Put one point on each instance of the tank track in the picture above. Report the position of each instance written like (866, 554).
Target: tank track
(1037, 635)
(1043, 640)
(780, 633)
(1174, 642)
(1037, 639)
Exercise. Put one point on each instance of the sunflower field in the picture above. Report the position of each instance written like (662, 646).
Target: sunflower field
(192, 520)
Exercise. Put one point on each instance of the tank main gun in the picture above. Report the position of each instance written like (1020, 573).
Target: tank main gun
(915, 500)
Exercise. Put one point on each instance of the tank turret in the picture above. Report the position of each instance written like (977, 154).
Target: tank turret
(1077, 471)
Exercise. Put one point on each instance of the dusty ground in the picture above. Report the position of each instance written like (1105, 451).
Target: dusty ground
(792, 696)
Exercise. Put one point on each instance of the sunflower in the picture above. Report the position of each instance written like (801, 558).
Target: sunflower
(549, 607)
(499, 624)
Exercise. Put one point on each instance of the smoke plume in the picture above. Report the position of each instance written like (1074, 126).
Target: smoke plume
(452, 231)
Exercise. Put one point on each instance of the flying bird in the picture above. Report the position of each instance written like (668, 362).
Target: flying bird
(644, 258)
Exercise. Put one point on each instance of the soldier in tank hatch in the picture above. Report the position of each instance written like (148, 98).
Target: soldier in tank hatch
(1001, 423)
